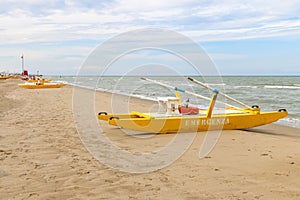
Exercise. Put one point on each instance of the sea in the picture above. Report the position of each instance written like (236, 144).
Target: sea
(270, 93)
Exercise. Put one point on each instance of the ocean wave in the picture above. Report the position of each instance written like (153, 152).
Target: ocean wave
(65, 82)
(281, 87)
(288, 121)
(215, 84)
(245, 86)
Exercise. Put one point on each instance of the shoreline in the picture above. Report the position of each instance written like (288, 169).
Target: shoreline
(42, 156)
(280, 123)
(245, 92)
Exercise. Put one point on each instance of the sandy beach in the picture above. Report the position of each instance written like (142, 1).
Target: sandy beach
(42, 156)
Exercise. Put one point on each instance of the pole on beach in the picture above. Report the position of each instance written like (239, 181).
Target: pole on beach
(22, 58)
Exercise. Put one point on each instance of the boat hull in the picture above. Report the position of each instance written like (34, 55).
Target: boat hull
(35, 86)
(191, 123)
(4, 77)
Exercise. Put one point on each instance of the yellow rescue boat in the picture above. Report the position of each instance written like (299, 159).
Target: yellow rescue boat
(15, 77)
(175, 118)
(3, 77)
(41, 85)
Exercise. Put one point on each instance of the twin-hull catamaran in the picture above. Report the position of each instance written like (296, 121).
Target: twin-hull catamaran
(173, 117)
(41, 84)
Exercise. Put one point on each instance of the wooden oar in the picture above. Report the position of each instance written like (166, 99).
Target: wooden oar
(184, 91)
(220, 93)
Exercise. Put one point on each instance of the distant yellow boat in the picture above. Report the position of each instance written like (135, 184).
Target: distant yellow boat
(3, 77)
(15, 77)
(41, 85)
(172, 118)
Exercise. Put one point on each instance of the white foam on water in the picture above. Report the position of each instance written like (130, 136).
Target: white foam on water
(281, 87)
(245, 86)
(288, 121)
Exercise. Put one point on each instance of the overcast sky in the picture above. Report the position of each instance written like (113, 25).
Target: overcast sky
(242, 37)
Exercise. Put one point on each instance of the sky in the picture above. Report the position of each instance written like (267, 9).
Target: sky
(241, 37)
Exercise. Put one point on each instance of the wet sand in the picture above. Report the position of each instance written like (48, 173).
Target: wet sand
(42, 156)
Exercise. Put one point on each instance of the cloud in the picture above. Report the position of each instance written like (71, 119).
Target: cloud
(30, 24)
(138, 6)
(34, 20)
